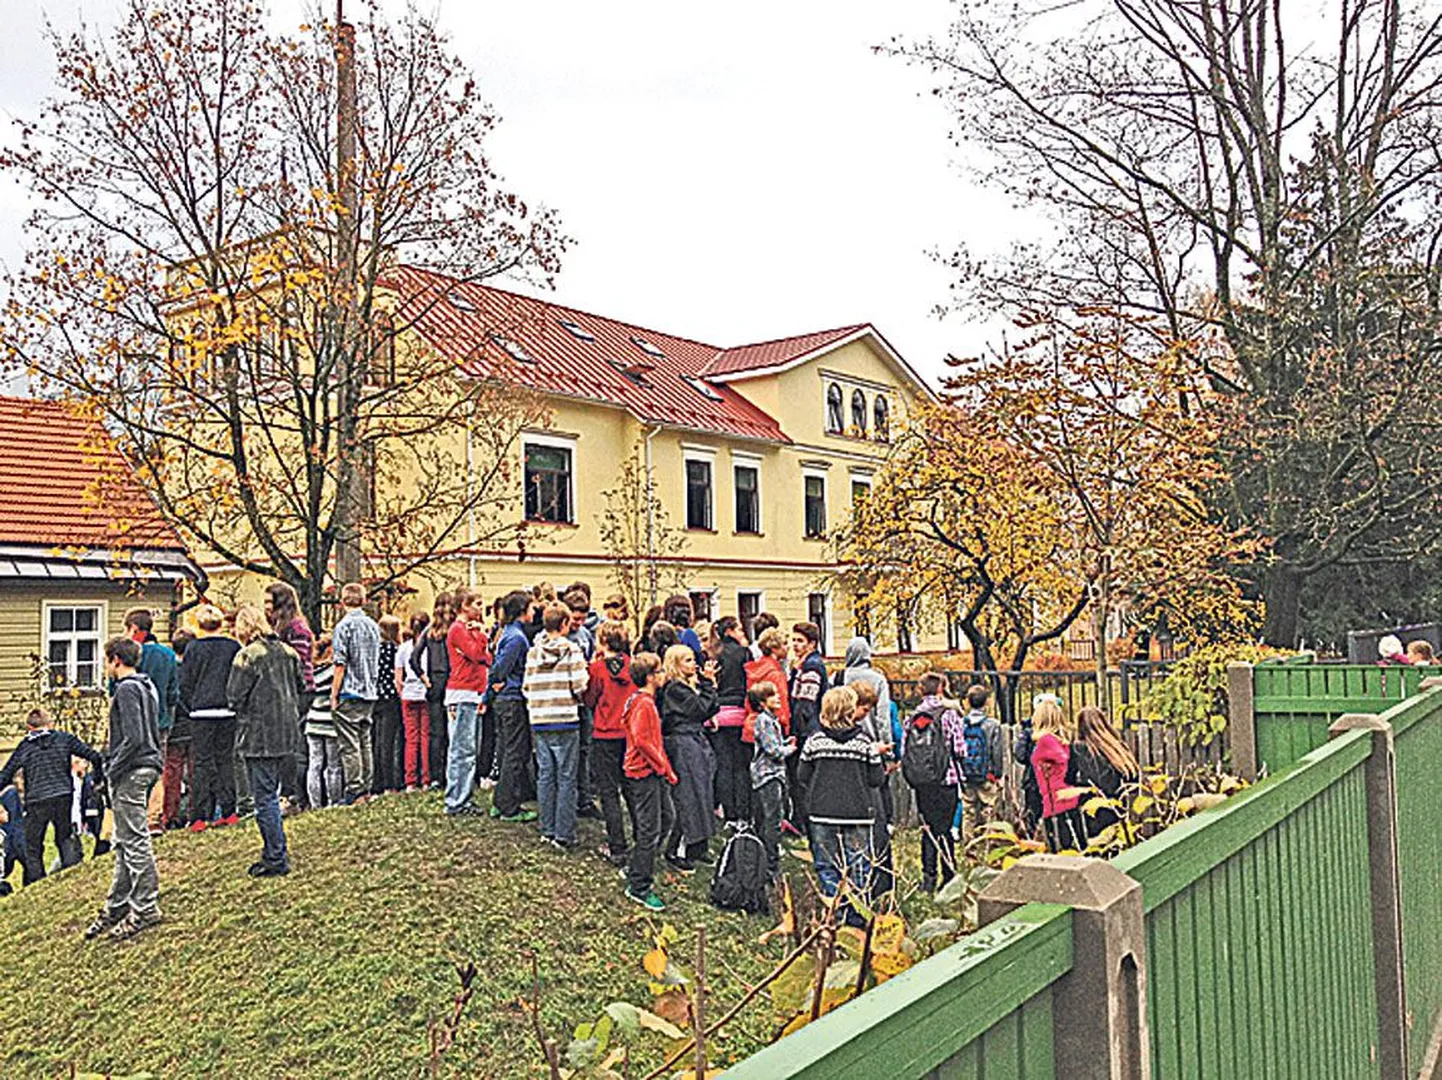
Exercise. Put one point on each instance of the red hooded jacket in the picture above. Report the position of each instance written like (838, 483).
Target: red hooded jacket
(606, 695)
(766, 669)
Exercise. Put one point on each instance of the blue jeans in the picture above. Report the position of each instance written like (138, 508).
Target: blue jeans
(463, 727)
(558, 756)
(834, 847)
(265, 773)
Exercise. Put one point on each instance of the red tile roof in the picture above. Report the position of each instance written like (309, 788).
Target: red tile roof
(64, 485)
(475, 324)
(768, 354)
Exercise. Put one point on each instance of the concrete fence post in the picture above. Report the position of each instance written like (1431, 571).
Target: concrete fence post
(1108, 976)
(1391, 990)
(1242, 720)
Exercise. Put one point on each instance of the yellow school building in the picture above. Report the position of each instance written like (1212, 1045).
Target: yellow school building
(757, 452)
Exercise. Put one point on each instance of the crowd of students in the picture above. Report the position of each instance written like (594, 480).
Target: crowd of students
(692, 731)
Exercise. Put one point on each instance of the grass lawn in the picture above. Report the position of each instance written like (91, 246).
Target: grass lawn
(336, 970)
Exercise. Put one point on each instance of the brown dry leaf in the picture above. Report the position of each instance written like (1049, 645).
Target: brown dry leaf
(674, 1006)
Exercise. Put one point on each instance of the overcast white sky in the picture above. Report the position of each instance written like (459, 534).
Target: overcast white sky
(730, 172)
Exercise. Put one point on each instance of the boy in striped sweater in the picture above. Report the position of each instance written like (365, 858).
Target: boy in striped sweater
(556, 677)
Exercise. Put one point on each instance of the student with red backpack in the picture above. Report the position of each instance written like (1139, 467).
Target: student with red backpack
(981, 767)
(932, 745)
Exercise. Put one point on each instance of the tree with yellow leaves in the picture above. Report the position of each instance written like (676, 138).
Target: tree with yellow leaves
(1120, 428)
(211, 274)
(1068, 474)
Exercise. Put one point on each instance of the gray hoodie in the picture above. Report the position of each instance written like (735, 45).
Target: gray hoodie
(877, 725)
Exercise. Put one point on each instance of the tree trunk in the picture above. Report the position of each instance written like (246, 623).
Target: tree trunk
(1100, 615)
(1281, 589)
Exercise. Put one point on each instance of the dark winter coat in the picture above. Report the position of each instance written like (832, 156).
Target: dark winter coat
(266, 690)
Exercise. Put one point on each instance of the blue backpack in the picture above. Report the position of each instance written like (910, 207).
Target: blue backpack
(976, 766)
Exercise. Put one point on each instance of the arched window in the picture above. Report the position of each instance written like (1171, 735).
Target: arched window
(858, 412)
(835, 423)
(883, 419)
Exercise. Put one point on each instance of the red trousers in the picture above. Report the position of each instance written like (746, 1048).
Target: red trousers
(177, 771)
(416, 719)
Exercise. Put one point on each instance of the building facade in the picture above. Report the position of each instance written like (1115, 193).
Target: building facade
(755, 453)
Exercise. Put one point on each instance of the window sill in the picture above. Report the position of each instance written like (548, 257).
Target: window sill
(701, 529)
(543, 523)
(741, 532)
(869, 440)
(818, 539)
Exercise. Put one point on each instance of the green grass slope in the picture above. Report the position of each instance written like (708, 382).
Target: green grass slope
(336, 970)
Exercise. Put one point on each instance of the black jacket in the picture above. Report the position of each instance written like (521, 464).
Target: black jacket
(204, 673)
(44, 757)
(267, 689)
(838, 769)
(134, 728)
(438, 667)
(731, 676)
(685, 711)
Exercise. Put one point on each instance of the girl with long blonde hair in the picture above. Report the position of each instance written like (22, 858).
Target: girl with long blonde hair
(1052, 734)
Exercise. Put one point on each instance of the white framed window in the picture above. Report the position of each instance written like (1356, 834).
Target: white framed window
(813, 482)
(72, 642)
(746, 483)
(703, 605)
(749, 604)
(550, 478)
(700, 467)
(818, 611)
(860, 487)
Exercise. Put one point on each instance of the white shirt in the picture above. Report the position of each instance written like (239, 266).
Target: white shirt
(413, 687)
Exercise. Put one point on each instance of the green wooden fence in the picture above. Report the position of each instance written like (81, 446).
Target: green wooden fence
(1294, 701)
(1261, 920)
(1417, 725)
(979, 1009)
(1251, 910)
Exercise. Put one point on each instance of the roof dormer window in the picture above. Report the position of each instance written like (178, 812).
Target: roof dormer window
(462, 303)
(648, 348)
(576, 330)
(702, 387)
(514, 351)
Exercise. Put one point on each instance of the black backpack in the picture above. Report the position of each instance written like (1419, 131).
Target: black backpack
(742, 877)
(926, 752)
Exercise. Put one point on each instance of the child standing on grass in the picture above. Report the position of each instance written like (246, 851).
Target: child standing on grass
(768, 770)
(839, 768)
(43, 756)
(648, 776)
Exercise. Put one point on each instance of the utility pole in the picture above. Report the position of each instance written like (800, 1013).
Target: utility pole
(352, 480)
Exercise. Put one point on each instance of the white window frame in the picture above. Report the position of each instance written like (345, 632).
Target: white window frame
(743, 460)
(555, 442)
(862, 477)
(808, 472)
(825, 624)
(707, 456)
(102, 607)
(711, 592)
(760, 595)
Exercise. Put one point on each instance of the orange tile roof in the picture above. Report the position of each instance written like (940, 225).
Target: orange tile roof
(482, 327)
(64, 485)
(782, 351)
